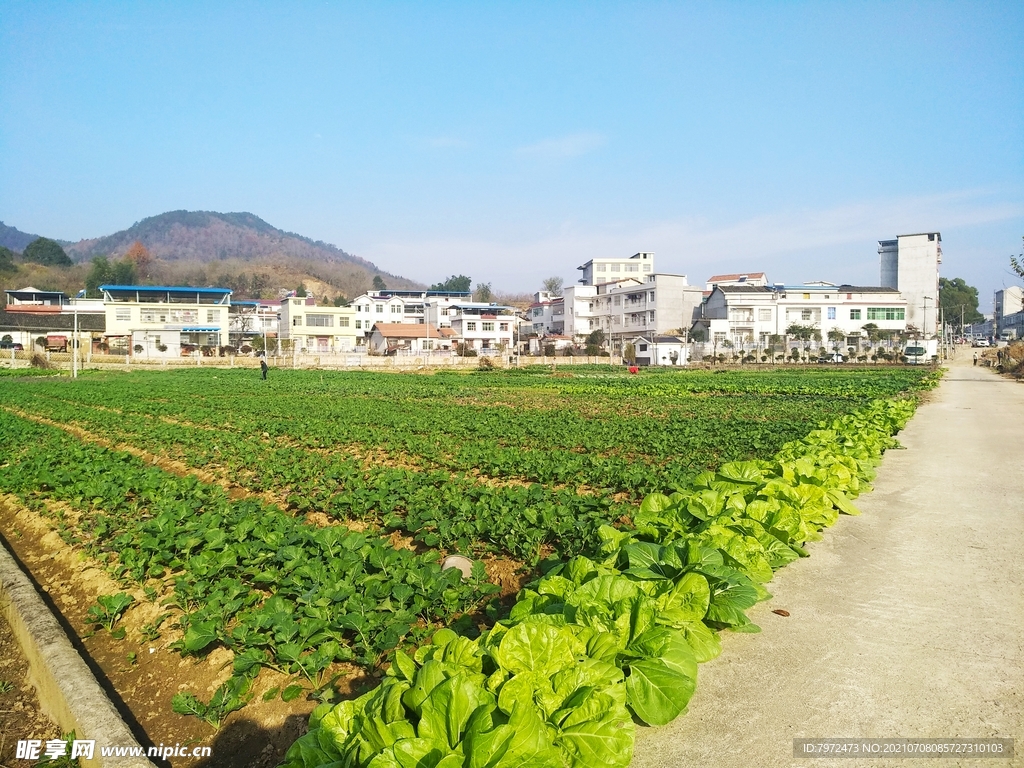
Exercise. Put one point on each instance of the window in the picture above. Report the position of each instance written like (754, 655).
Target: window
(538, 311)
(359, 324)
(396, 309)
(651, 296)
(613, 268)
(155, 340)
(428, 344)
(503, 327)
(213, 315)
(764, 315)
(831, 313)
(647, 267)
(643, 347)
(444, 312)
(379, 308)
(719, 337)
(886, 313)
(630, 267)
(806, 314)
(618, 300)
(807, 295)
(470, 326)
(599, 267)
(486, 326)
(343, 322)
(297, 320)
(359, 307)
(855, 314)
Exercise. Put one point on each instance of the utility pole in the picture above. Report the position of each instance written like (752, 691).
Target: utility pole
(74, 344)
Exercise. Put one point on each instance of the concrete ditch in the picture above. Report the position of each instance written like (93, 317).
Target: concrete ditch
(68, 692)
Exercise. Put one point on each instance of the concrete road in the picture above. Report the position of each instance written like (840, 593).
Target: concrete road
(907, 621)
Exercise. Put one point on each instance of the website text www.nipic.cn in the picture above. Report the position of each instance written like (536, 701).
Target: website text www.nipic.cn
(35, 749)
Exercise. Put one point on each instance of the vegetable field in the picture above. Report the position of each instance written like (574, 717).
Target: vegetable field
(300, 522)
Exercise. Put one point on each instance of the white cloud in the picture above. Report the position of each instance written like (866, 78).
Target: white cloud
(561, 147)
(837, 244)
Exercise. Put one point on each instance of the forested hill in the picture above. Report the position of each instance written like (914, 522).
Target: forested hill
(15, 239)
(207, 236)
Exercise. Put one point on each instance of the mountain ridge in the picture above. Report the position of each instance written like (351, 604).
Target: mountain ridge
(235, 248)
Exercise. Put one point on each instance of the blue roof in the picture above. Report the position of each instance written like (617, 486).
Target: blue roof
(199, 329)
(176, 288)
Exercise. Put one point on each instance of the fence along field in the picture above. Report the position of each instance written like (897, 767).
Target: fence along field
(512, 465)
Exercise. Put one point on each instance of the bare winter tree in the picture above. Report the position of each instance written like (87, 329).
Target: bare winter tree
(553, 285)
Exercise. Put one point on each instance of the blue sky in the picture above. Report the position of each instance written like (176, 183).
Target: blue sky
(515, 141)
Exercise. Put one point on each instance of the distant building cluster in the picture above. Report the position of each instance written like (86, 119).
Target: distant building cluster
(617, 302)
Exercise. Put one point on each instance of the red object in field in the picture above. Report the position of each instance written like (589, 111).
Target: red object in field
(634, 369)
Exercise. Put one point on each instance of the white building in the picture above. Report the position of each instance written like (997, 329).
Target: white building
(249, 319)
(910, 264)
(1008, 304)
(487, 328)
(405, 306)
(657, 304)
(319, 329)
(579, 311)
(165, 320)
(609, 270)
(546, 315)
(750, 315)
(660, 350)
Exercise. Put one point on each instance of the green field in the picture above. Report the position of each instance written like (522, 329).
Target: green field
(521, 466)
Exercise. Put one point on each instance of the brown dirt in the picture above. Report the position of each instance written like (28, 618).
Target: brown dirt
(510, 575)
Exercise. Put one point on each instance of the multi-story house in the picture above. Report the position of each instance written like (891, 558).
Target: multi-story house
(546, 315)
(910, 264)
(580, 311)
(406, 306)
(318, 329)
(165, 320)
(657, 304)
(610, 270)
(483, 327)
(251, 319)
(751, 315)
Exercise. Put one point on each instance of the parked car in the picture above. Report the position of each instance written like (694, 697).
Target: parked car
(833, 357)
(12, 345)
(981, 343)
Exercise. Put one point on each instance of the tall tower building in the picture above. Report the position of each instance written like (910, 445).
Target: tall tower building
(910, 264)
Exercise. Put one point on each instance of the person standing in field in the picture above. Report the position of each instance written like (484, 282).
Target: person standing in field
(263, 367)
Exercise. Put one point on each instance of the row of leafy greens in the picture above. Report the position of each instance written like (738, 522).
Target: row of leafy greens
(600, 642)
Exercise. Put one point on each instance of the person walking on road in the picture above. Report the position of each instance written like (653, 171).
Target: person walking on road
(975, 362)
(263, 366)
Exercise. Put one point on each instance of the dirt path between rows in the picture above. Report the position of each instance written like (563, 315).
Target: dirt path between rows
(905, 622)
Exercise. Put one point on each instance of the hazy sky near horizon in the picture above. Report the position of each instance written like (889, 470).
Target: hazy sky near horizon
(513, 141)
